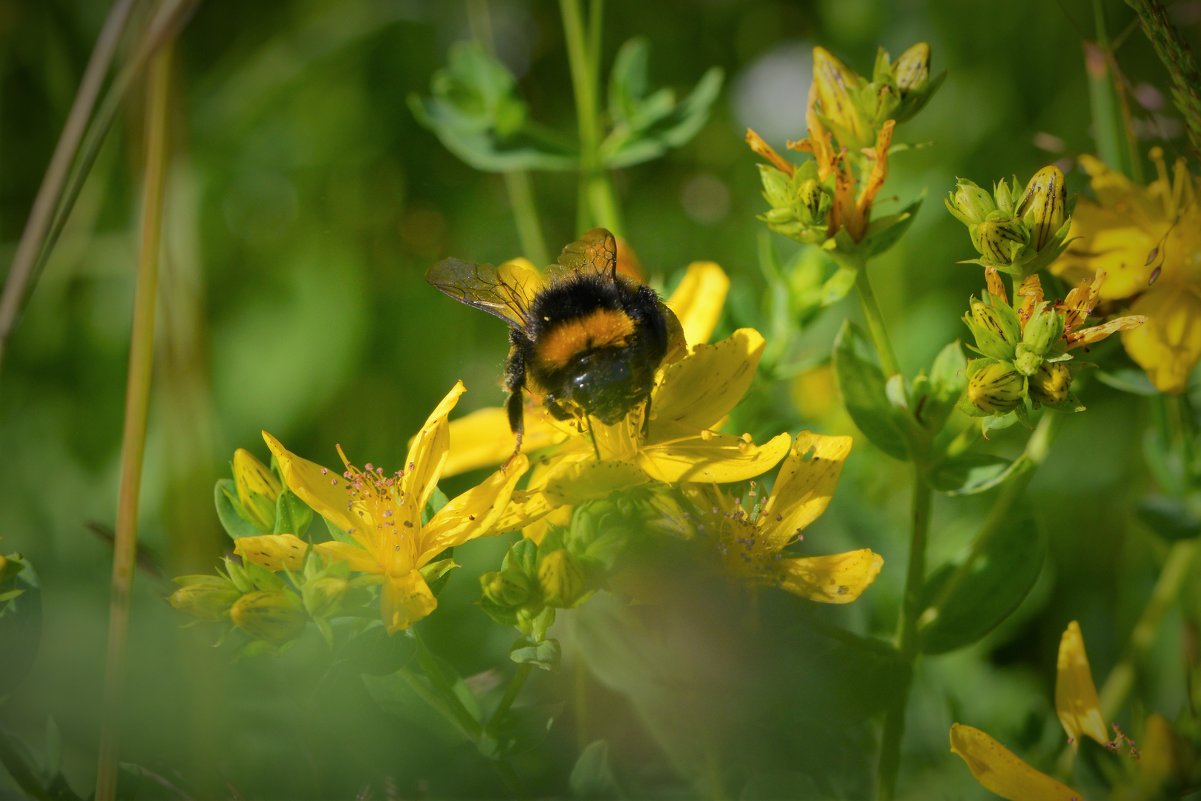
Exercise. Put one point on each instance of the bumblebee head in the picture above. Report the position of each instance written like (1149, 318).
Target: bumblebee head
(605, 384)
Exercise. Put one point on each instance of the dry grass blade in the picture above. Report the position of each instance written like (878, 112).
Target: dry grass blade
(1174, 52)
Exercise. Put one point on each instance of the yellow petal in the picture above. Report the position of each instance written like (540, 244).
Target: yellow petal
(834, 579)
(483, 439)
(428, 450)
(703, 387)
(322, 489)
(711, 458)
(1095, 333)
(471, 514)
(273, 551)
(582, 478)
(1001, 771)
(404, 600)
(1107, 239)
(359, 559)
(699, 299)
(1168, 345)
(1075, 694)
(524, 509)
(804, 485)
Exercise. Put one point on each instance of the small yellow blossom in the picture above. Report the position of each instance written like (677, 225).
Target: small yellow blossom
(381, 514)
(1148, 241)
(752, 541)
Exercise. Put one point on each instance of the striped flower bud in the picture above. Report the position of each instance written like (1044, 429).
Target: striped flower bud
(1050, 385)
(1043, 330)
(274, 616)
(1043, 206)
(258, 489)
(999, 241)
(836, 87)
(506, 588)
(995, 327)
(996, 388)
(969, 203)
(816, 201)
(561, 578)
(205, 597)
(912, 70)
(323, 595)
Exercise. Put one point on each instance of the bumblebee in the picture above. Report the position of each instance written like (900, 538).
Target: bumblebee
(588, 340)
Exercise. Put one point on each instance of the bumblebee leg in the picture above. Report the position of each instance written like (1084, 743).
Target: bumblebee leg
(514, 406)
(592, 436)
(646, 418)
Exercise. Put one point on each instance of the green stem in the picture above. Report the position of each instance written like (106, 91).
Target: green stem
(907, 640)
(525, 212)
(51, 188)
(511, 693)
(1111, 116)
(583, 53)
(875, 323)
(1175, 571)
(137, 403)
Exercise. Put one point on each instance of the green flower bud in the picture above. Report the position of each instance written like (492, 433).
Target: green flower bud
(1000, 240)
(561, 579)
(816, 201)
(205, 597)
(258, 489)
(323, 595)
(1043, 330)
(1044, 205)
(776, 187)
(1051, 384)
(1027, 360)
(506, 588)
(969, 203)
(275, 616)
(1003, 196)
(911, 72)
(995, 327)
(996, 388)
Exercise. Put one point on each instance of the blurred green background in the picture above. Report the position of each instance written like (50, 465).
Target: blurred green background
(304, 205)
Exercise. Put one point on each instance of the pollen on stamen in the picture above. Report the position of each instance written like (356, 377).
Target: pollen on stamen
(325, 471)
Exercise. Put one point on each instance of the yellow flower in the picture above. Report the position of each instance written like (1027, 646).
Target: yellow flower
(1006, 774)
(1148, 241)
(273, 551)
(381, 514)
(752, 541)
(482, 438)
(1003, 772)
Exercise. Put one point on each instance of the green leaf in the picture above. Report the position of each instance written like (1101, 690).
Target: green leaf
(884, 232)
(292, 516)
(476, 113)
(973, 473)
(229, 510)
(411, 694)
(861, 382)
(592, 776)
(543, 654)
(1170, 518)
(948, 380)
(838, 285)
(647, 126)
(1128, 379)
(964, 604)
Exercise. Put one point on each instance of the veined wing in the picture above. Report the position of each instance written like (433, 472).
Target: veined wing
(595, 251)
(503, 291)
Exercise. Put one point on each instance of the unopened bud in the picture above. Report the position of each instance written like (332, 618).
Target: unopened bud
(205, 597)
(912, 70)
(836, 87)
(273, 551)
(258, 489)
(1051, 384)
(1043, 206)
(969, 203)
(507, 588)
(999, 240)
(561, 579)
(816, 200)
(323, 595)
(996, 388)
(276, 617)
(995, 327)
(1043, 330)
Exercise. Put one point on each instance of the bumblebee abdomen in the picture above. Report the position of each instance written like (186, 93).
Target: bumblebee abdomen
(558, 346)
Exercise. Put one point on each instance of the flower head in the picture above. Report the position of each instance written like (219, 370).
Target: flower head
(381, 513)
(1147, 240)
(752, 536)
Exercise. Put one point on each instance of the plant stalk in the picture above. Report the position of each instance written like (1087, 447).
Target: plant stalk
(583, 53)
(907, 640)
(137, 402)
(875, 323)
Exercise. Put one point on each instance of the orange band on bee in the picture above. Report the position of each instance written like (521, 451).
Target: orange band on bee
(599, 329)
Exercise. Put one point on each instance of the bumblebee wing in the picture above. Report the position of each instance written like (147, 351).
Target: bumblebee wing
(595, 251)
(500, 291)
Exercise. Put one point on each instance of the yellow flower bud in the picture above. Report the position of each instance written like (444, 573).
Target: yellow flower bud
(322, 595)
(912, 70)
(507, 588)
(205, 597)
(995, 327)
(996, 388)
(999, 240)
(272, 616)
(1044, 204)
(815, 200)
(969, 203)
(273, 551)
(561, 578)
(258, 489)
(836, 86)
(1051, 384)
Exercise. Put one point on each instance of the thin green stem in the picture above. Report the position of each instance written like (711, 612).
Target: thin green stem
(583, 54)
(511, 693)
(1110, 113)
(55, 177)
(875, 323)
(907, 640)
(1176, 570)
(137, 404)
